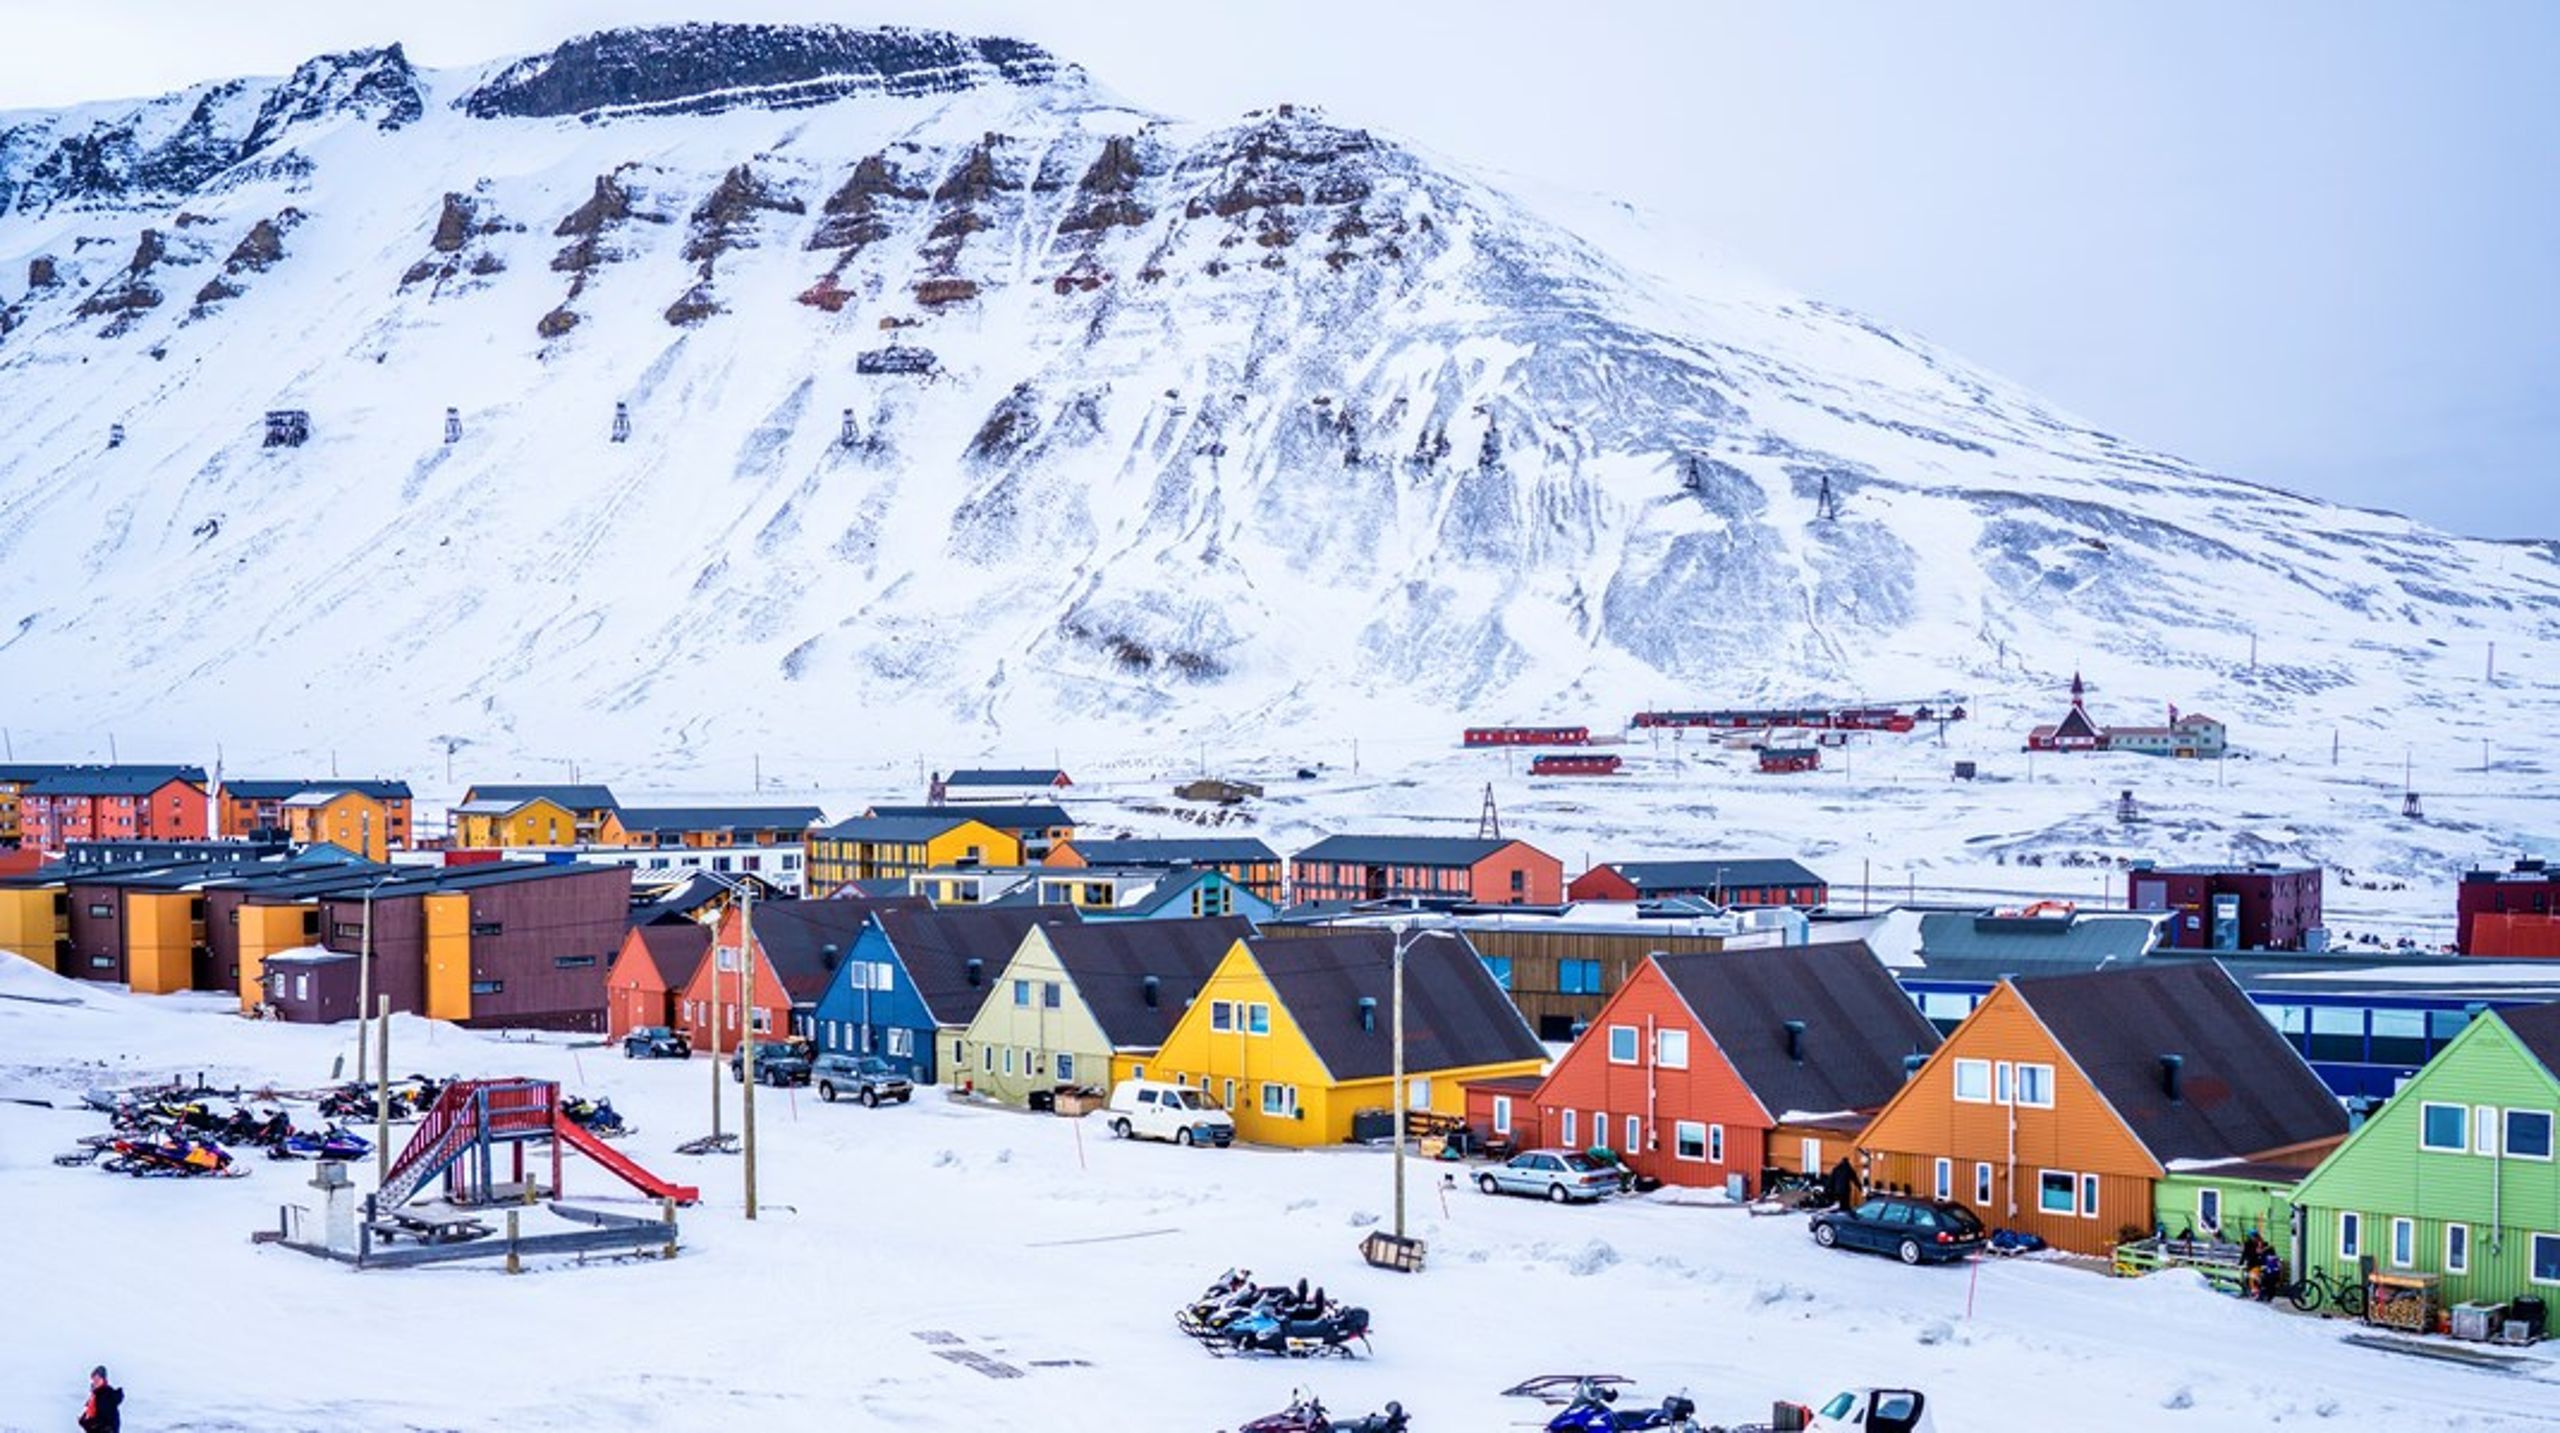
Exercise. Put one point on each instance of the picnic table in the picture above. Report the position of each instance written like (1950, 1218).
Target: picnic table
(429, 1226)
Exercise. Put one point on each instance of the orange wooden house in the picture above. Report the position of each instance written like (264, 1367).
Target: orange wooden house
(2060, 1100)
(655, 962)
(1710, 1064)
(1485, 871)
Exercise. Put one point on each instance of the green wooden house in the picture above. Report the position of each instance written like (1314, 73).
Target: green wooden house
(1088, 1004)
(2453, 1176)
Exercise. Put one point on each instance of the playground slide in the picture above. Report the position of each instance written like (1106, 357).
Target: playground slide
(575, 1136)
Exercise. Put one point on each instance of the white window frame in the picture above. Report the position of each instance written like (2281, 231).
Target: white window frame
(902, 1042)
(1715, 1144)
(1671, 1049)
(1982, 1183)
(2070, 1192)
(1285, 1106)
(2350, 1234)
(1809, 1153)
(2045, 1078)
(1502, 1114)
(2209, 1209)
(2484, 1130)
(2004, 1078)
(1564, 1128)
(1634, 1043)
(2532, 1258)
(2550, 1129)
(1688, 1136)
(1066, 1065)
(1417, 1092)
(2089, 1196)
(1635, 1134)
(1945, 1181)
(1980, 1069)
(989, 1052)
(2457, 1248)
(2462, 1148)
(1257, 1020)
(761, 1019)
(1222, 1015)
(2404, 1242)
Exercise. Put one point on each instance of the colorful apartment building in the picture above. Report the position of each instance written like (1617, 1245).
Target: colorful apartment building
(1244, 860)
(1441, 869)
(875, 848)
(110, 803)
(1738, 881)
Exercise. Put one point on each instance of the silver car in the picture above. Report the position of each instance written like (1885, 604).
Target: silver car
(1557, 1175)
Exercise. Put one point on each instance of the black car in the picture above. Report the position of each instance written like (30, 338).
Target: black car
(778, 1062)
(1916, 1231)
(656, 1042)
(867, 1078)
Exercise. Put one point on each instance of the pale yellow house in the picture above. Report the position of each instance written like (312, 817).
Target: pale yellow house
(1079, 1004)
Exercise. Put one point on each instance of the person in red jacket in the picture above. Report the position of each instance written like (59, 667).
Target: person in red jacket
(104, 1411)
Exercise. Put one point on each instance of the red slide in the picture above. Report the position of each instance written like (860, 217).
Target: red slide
(576, 1137)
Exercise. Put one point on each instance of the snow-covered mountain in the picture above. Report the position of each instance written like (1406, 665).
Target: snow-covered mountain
(964, 396)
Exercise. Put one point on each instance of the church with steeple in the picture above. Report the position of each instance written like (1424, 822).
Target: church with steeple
(2192, 735)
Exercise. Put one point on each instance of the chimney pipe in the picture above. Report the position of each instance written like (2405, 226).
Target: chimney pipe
(1368, 1012)
(976, 969)
(2170, 1065)
(1911, 1064)
(827, 957)
(1148, 990)
(1795, 1041)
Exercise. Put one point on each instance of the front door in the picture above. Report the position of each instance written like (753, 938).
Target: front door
(1810, 1153)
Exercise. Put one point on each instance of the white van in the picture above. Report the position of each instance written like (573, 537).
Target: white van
(1152, 1109)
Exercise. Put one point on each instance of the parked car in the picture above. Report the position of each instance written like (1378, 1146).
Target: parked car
(1558, 1175)
(1916, 1231)
(1876, 1410)
(656, 1042)
(1152, 1109)
(778, 1062)
(867, 1078)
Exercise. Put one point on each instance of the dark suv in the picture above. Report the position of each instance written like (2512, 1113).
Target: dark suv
(778, 1062)
(1916, 1231)
(656, 1042)
(867, 1078)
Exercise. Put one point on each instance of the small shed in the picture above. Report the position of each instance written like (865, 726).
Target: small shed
(312, 986)
(1790, 758)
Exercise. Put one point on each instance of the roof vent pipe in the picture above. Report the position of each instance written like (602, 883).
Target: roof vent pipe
(1911, 1064)
(1148, 990)
(2170, 1065)
(1368, 1012)
(1795, 1041)
(827, 957)
(977, 973)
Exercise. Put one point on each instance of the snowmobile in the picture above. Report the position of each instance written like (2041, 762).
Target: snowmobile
(176, 1155)
(597, 1117)
(1594, 1410)
(1307, 1415)
(244, 1128)
(1266, 1330)
(331, 1143)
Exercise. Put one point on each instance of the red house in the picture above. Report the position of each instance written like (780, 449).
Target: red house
(1757, 881)
(656, 961)
(798, 946)
(2513, 913)
(1481, 871)
(1790, 758)
(113, 803)
(1722, 1063)
(2262, 906)
(1576, 765)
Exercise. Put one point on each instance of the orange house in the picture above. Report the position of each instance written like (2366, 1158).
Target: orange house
(2060, 1100)
(797, 946)
(1483, 871)
(346, 818)
(248, 808)
(656, 962)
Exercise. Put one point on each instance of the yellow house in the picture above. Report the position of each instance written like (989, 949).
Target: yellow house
(514, 821)
(348, 820)
(1292, 1035)
(35, 922)
(873, 848)
(265, 930)
(581, 812)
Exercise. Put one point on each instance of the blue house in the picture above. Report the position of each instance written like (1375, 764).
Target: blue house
(913, 974)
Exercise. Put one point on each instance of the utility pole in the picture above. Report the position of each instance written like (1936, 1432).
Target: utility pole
(364, 956)
(382, 1101)
(747, 1024)
(715, 1037)
(1395, 1025)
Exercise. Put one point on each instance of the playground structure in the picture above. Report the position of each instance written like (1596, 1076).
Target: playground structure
(458, 1140)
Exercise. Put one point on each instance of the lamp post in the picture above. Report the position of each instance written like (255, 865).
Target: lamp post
(364, 960)
(1406, 932)
(747, 1025)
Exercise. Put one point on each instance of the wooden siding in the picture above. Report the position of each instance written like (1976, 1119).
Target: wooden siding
(1658, 1097)
(1028, 1039)
(1536, 984)
(2078, 1135)
(27, 924)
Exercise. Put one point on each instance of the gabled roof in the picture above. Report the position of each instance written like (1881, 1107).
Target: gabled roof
(1706, 873)
(1405, 850)
(675, 951)
(22, 771)
(806, 940)
(899, 828)
(279, 790)
(323, 795)
(1200, 851)
(109, 781)
(1455, 1015)
(1110, 962)
(1177, 885)
(718, 818)
(2537, 1029)
(1005, 776)
(2244, 1091)
(936, 946)
(501, 805)
(1858, 1025)
(575, 798)
(1036, 815)
(2076, 723)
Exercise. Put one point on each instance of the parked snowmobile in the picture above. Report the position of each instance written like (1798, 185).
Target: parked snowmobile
(1594, 1410)
(598, 1117)
(1306, 1414)
(332, 1143)
(268, 1133)
(1275, 1331)
(176, 1155)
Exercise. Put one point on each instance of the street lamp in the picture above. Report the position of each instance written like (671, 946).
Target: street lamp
(1406, 932)
(745, 891)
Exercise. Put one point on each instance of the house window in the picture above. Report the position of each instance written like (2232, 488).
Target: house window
(1008, 1059)
(1688, 1140)
(101, 911)
(302, 987)
(902, 1042)
(1066, 1066)
(1502, 1114)
(1671, 1049)
(2546, 1258)
(1635, 1133)
(1417, 1092)
(1945, 1183)
(2088, 1196)
(1564, 1130)
(2457, 1248)
(1222, 1015)
(2404, 1243)
(2528, 1134)
(488, 987)
(1982, 1185)
(1280, 1101)
(987, 1058)
(2053, 1191)
(1715, 1144)
(2035, 1086)
(572, 962)
(488, 927)
(1022, 994)
(1973, 1081)
(2351, 1235)
(2442, 1128)
(2484, 1130)
(1578, 977)
(1622, 1044)
(1048, 995)
(1500, 968)
(2209, 1209)
(2003, 1078)
(1257, 1021)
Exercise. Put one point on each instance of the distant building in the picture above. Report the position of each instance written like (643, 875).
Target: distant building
(1436, 868)
(1779, 759)
(2508, 913)
(870, 848)
(255, 807)
(1741, 881)
(999, 783)
(1244, 859)
(667, 827)
(1039, 825)
(63, 804)
(2261, 906)
(2193, 735)
(586, 805)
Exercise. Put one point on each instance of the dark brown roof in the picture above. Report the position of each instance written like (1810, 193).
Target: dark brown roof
(2537, 1028)
(1455, 1014)
(937, 945)
(2243, 1089)
(1111, 962)
(807, 940)
(1858, 1025)
(676, 950)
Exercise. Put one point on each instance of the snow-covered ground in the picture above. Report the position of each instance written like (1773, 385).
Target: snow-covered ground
(1041, 1244)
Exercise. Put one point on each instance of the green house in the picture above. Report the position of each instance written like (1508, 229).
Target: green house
(1087, 1004)
(2454, 1176)
(2227, 1200)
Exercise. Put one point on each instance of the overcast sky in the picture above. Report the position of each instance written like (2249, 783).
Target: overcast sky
(2310, 244)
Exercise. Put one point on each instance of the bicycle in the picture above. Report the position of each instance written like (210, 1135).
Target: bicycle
(2316, 1288)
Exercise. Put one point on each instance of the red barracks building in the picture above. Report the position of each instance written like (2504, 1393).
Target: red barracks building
(2508, 913)
(113, 803)
(2261, 906)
